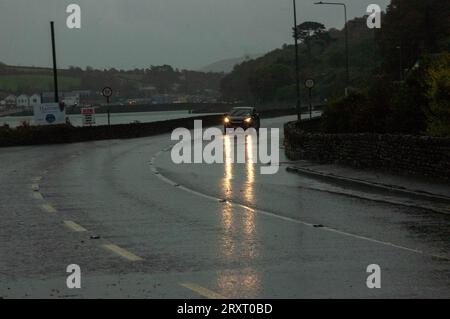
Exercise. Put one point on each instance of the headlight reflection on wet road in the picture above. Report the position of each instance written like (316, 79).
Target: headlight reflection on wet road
(239, 230)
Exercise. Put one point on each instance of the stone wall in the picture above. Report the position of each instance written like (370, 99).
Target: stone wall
(56, 134)
(419, 155)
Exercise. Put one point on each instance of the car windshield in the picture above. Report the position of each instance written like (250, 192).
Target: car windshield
(241, 112)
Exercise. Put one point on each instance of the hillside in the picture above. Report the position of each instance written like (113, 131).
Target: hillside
(227, 65)
(271, 78)
(131, 83)
(376, 56)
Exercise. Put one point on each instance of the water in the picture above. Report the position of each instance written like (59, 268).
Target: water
(102, 119)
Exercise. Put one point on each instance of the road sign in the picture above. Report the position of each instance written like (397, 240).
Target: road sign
(48, 114)
(309, 84)
(88, 114)
(107, 92)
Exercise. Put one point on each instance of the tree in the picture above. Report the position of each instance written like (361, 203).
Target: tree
(265, 81)
(412, 28)
(309, 31)
(438, 80)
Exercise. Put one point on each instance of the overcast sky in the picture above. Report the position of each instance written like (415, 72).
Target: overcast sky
(139, 33)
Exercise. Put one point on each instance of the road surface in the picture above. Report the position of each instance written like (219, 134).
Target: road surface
(140, 226)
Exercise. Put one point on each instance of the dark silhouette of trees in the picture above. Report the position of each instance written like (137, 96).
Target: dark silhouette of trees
(308, 32)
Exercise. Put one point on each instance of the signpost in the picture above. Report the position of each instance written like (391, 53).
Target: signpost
(49, 114)
(107, 92)
(309, 84)
(88, 114)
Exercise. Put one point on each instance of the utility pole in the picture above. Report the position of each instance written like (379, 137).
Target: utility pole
(347, 63)
(55, 72)
(297, 76)
(347, 66)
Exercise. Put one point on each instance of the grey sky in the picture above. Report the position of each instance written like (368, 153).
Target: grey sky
(138, 33)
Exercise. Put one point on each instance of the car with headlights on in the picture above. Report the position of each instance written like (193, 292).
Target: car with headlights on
(244, 117)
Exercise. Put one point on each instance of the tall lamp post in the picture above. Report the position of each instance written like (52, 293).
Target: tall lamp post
(55, 70)
(297, 76)
(346, 40)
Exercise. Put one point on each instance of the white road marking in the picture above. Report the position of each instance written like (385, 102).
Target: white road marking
(37, 195)
(74, 226)
(49, 208)
(122, 252)
(297, 221)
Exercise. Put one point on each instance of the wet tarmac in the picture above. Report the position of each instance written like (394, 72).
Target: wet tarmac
(140, 226)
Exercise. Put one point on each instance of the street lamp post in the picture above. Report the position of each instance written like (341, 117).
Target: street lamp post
(297, 76)
(346, 40)
(55, 70)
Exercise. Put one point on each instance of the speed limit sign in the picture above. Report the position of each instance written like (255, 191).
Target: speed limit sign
(107, 92)
(309, 84)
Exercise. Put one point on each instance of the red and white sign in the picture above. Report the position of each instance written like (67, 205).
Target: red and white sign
(88, 114)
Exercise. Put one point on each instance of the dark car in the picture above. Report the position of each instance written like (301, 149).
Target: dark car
(244, 117)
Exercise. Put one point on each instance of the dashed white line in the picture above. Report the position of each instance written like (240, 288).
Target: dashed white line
(74, 226)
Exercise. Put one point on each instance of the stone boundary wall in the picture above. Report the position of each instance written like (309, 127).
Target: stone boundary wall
(404, 154)
(58, 134)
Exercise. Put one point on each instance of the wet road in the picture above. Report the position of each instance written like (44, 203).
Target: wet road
(140, 226)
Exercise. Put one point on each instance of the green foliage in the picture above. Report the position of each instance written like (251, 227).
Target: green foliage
(310, 31)
(420, 104)
(407, 105)
(266, 81)
(400, 80)
(28, 80)
(346, 114)
(412, 28)
(321, 56)
(438, 94)
(35, 83)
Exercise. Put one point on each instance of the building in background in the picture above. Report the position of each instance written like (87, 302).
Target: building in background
(74, 98)
(35, 99)
(71, 100)
(23, 100)
(10, 100)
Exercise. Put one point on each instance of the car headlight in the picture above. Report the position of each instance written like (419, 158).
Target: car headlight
(226, 120)
(248, 120)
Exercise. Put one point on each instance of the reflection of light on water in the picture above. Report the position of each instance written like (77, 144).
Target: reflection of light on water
(240, 285)
(227, 239)
(234, 247)
(249, 217)
(227, 212)
(228, 150)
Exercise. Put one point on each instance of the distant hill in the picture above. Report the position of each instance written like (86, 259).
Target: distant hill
(137, 83)
(271, 78)
(227, 65)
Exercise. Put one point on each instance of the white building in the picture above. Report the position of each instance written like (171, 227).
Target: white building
(73, 100)
(23, 100)
(35, 99)
(10, 100)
